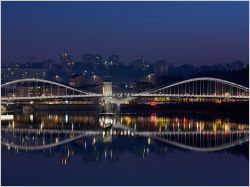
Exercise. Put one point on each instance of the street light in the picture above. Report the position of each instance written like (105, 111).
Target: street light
(94, 76)
(149, 78)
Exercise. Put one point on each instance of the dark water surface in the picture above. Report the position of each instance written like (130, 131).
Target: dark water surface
(132, 150)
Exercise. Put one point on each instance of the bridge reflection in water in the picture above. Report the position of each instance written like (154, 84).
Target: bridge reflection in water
(49, 131)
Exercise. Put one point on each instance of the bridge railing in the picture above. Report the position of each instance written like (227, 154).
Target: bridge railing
(204, 87)
(38, 139)
(37, 88)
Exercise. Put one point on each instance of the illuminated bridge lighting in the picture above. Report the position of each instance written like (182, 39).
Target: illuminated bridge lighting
(205, 141)
(196, 89)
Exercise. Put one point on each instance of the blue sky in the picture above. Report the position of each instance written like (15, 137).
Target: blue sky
(179, 32)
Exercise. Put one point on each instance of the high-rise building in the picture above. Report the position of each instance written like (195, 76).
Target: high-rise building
(49, 64)
(139, 65)
(107, 88)
(91, 60)
(66, 61)
(113, 60)
(88, 58)
(161, 67)
(98, 59)
(13, 73)
(76, 80)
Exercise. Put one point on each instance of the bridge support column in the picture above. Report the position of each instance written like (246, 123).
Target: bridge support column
(3, 109)
(118, 108)
(28, 109)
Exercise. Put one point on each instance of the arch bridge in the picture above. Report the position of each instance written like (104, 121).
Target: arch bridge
(204, 141)
(32, 89)
(202, 88)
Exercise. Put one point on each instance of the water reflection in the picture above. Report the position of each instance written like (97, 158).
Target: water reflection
(80, 140)
(93, 121)
(107, 121)
(47, 130)
(177, 123)
(108, 147)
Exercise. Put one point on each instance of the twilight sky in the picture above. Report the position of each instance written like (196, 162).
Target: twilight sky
(179, 32)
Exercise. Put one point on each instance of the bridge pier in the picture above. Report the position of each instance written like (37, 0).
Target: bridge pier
(111, 106)
(3, 109)
(118, 108)
(28, 109)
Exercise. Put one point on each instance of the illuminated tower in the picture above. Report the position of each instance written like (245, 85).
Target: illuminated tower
(66, 61)
(107, 88)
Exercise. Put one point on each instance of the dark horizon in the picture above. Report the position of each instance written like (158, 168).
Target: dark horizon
(198, 33)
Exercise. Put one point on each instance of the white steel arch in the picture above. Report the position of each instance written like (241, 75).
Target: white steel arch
(237, 140)
(232, 90)
(44, 81)
(201, 79)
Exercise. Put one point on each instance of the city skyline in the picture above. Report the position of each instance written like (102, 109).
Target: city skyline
(179, 34)
(93, 93)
